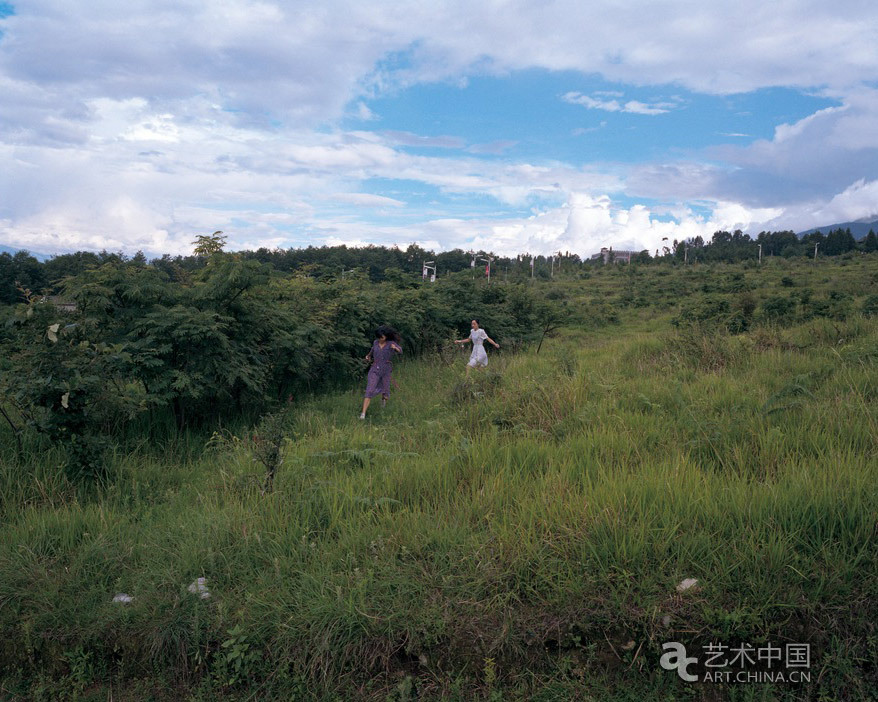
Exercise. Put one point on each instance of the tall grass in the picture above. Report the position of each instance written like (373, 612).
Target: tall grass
(510, 533)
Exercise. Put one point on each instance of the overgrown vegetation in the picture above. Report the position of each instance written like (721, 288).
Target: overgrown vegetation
(516, 535)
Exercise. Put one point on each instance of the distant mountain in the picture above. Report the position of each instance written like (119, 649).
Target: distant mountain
(859, 228)
(12, 252)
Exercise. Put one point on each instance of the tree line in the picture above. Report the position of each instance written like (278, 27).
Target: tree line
(736, 246)
(22, 271)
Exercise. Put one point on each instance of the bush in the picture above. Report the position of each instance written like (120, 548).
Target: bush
(778, 310)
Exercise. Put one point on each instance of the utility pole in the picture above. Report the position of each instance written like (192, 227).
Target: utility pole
(816, 244)
(473, 263)
(760, 254)
(487, 268)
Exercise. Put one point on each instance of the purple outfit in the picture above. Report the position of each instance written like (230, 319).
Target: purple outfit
(382, 366)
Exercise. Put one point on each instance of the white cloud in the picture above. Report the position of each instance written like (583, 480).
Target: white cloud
(135, 125)
(591, 103)
(364, 113)
(368, 200)
(632, 106)
(409, 139)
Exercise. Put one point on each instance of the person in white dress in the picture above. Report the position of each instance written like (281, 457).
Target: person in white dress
(478, 337)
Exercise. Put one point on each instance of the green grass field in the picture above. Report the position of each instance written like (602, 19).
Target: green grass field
(518, 535)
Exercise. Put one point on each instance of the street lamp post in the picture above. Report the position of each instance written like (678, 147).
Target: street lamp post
(488, 269)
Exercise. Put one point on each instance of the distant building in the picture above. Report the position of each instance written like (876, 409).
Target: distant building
(607, 254)
(62, 305)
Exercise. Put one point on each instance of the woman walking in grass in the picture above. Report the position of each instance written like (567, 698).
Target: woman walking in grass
(477, 337)
(384, 348)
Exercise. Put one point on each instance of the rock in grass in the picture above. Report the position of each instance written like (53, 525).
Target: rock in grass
(123, 598)
(688, 584)
(199, 587)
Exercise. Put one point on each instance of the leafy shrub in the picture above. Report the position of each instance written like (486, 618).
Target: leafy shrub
(805, 295)
(269, 440)
(837, 305)
(778, 309)
(715, 313)
(229, 340)
(67, 386)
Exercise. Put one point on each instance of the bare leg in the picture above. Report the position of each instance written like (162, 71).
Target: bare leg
(366, 402)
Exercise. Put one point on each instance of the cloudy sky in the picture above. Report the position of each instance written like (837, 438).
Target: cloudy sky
(511, 126)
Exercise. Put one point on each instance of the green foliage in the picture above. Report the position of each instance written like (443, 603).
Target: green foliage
(231, 340)
(713, 312)
(67, 386)
(19, 272)
(515, 536)
(269, 440)
(209, 244)
(237, 659)
(777, 309)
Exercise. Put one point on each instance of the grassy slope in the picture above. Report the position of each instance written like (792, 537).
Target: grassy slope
(514, 533)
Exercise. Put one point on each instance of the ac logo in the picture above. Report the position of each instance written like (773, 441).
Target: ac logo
(676, 659)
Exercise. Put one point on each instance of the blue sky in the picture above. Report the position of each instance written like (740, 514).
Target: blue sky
(508, 126)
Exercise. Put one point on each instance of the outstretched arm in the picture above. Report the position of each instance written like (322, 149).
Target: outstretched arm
(462, 341)
(496, 345)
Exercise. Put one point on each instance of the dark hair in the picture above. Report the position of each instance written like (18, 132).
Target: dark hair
(474, 319)
(388, 333)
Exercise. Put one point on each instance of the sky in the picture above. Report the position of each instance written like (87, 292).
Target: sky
(531, 126)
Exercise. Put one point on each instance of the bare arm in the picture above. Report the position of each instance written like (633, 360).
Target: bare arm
(396, 347)
(496, 345)
(462, 341)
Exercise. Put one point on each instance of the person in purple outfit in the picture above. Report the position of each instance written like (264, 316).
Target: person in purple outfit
(384, 348)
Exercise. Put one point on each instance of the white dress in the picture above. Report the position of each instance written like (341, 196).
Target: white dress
(478, 357)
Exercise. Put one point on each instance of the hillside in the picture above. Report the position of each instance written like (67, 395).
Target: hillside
(517, 535)
(12, 251)
(859, 229)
